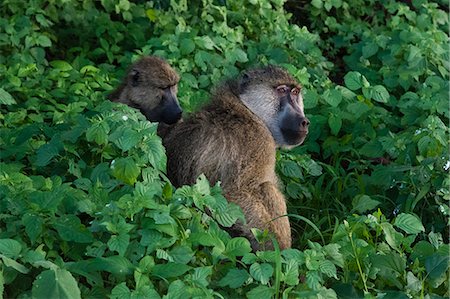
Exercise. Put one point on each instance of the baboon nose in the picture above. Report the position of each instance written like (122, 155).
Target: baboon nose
(304, 123)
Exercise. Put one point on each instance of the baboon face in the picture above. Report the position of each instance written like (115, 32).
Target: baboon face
(275, 97)
(151, 87)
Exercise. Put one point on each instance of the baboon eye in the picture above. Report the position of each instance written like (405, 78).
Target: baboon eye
(282, 89)
(295, 91)
(134, 78)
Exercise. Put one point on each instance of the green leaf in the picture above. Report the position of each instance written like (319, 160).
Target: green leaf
(333, 97)
(261, 272)
(187, 46)
(290, 275)
(33, 226)
(119, 243)
(170, 270)
(393, 238)
(201, 274)
(98, 133)
(328, 268)
(409, 223)
(120, 291)
(363, 203)
(353, 80)
(235, 278)
(436, 265)
(317, 3)
(47, 152)
(313, 280)
(69, 228)
(380, 94)
(237, 247)
(57, 283)
(113, 264)
(15, 265)
(125, 169)
(10, 248)
(369, 50)
(44, 41)
(6, 98)
(181, 254)
(291, 169)
(125, 138)
(335, 123)
(61, 65)
(261, 292)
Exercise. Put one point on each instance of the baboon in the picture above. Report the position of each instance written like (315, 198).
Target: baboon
(151, 86)
(233, 140)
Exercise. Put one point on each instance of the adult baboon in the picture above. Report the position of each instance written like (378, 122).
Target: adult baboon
(151, 86)
(233, 140)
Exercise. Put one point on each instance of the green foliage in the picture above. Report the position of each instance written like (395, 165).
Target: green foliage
(85, 207)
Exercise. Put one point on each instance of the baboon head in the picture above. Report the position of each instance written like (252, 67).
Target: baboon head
(151, 86)
(275, 97)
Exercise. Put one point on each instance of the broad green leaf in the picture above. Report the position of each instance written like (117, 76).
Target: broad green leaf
(44, 41)
(393, 238)
(125, 169)
(201, 275)
(33, 225)
(10, 248)
(237, 247)
(290, 275)
(291, 169)
(335, 123)
(125, 138)
(317, 3)
(363, 203)
(69, 228)
(181, 254)
(333, 97)
(380, 94)
(47, 152)
(409, 223)
(98, 132)
(170, 270)
(61, 65)
(261, 272)
(6, 98)
(177, 290)
(120, 291)
(372, 149)
(58, 283)
(235, 278)
(437, 265)
(13, 264)
(261, 292)
(328, 268)
(187, 46)
(313, 280)
(113, 264)
(119, 243)
(353, 80)
(310, 98)
(369, 50)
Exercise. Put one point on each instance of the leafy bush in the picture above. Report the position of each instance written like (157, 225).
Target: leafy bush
(86, 210)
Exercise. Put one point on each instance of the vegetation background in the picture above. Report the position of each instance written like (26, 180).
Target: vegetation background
(85, 208)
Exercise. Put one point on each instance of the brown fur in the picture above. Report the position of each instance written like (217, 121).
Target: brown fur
(155, 77)
(229, 143)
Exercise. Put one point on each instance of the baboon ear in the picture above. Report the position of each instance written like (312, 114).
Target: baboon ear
(134, 76)
(244, 82)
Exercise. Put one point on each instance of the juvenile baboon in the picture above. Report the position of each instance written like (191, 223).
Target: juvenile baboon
(151, 86)
(233, 140)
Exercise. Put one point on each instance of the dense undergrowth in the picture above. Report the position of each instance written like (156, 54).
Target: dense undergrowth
(86, 210)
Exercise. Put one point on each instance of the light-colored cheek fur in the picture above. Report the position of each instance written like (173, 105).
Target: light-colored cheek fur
(264, 102)
(147, 98)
